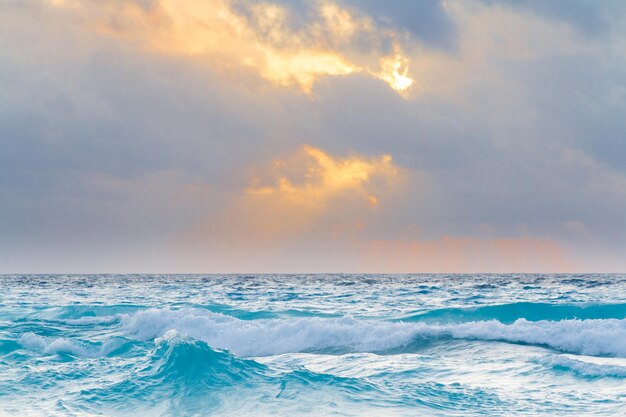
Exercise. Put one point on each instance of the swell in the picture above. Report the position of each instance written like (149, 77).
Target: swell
(89, 314)
(195, 377)
(189, 377)
(508, 313)
(265, 337)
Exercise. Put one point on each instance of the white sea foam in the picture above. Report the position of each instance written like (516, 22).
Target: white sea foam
(54, 345)
(272, 336)
(91, 320)
(588, 366)
(277, 336)
(587, 337)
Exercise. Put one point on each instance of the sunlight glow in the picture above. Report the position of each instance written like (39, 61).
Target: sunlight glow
(325, 176)
(257, 37)
(395, 72)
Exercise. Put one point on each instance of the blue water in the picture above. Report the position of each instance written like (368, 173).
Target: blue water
(340, 345)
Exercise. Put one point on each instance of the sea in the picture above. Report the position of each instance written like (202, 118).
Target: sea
(313, 345)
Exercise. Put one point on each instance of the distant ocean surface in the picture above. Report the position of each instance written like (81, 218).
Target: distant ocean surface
(313, 345)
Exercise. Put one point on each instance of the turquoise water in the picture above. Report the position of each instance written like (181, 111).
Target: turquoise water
(290, 345)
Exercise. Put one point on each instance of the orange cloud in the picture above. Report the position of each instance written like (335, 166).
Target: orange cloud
(309, 196)
(290, 195)
(312, 205)
(260, 40)
(323, 176)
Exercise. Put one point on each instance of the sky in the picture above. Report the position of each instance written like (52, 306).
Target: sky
(240, 136)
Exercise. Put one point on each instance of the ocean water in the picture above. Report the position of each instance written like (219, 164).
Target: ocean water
(313, 345)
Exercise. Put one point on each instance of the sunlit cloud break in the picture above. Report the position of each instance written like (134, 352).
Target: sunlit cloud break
(235, 36)
(312, 177)
(294, 200)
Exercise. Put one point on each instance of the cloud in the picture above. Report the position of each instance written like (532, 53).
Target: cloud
(308, 195)
(141, 134)
(426, 20)
(324, 176)
(331, 208)
(257, 37)
(590, 17)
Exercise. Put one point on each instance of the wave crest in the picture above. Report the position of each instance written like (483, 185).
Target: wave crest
(270, 336)
(276, 336)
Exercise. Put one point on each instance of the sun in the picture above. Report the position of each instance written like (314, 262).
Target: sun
(395, 72)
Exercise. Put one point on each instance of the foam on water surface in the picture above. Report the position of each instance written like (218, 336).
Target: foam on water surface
(443, 345)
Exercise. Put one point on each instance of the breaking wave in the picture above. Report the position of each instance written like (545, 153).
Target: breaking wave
(275, 336)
